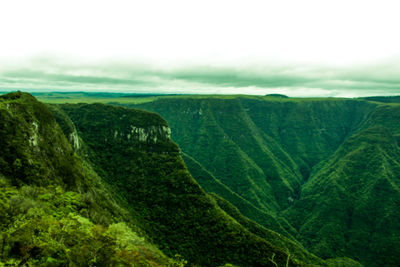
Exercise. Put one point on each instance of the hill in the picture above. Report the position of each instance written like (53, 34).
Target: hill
(132, 151)
(280, 155)
(100, 185)
(55, 210)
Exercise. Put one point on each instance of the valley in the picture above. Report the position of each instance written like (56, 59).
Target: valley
(250, 181)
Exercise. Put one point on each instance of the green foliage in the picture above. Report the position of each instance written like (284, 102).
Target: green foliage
(45, 226)
(261, 148)
(384, 99)
(317, 169)
(295, 250)
(277, 95)
(55, 211)
(211, 184)
(352, 201)
(165, 200)
(323, 161)
(34, 149)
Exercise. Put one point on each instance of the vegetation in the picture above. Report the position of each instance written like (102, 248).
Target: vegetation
(263, 150)
(166, 201)
(277, 95)
(247, 149)
(55, 211)
(210, 184)
(104, 185)
(384, 99)
(351, 202)
(87, 97)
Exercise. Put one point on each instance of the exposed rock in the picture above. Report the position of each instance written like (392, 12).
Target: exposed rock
(33, 139)
(152, 133)
(74, 140)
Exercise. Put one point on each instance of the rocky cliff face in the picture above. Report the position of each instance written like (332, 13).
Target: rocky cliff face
(150, 134)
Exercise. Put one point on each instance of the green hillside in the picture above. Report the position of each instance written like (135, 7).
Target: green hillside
(261, 148)
(55, 211)
(352, 201)
(280, 155)
(132, 151)
(102, 185)
(209, 183)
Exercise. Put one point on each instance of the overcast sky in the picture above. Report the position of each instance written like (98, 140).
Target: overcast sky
(299, 48)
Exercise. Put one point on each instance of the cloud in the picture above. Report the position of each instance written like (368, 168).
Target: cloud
(294, 80)
(228, 77)
(59, 77)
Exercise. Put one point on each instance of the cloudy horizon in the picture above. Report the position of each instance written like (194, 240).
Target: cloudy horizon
(335, 49)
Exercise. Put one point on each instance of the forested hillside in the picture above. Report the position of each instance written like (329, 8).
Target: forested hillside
(132, 151)
(325, 170)
(97, 185)
(55, 210)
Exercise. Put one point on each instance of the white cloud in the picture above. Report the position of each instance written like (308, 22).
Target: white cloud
(337, 45)
(337, 32)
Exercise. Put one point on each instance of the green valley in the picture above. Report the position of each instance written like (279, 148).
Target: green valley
(98, 185)
(288, 163)
(250, 181)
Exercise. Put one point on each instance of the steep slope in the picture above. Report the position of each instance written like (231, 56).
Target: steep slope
(295, 249)
(351, 203)
(133, 150)
(210, 184)
(334, 161)
(359, 189)
(309, 130)
(261, 148)
(54, 209)
(57, 211)
(220, 136)
(32, 144)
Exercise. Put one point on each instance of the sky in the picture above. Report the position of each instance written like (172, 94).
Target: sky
(298, 48)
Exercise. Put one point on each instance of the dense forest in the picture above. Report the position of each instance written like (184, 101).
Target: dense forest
(255, 181)
(324, 172)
